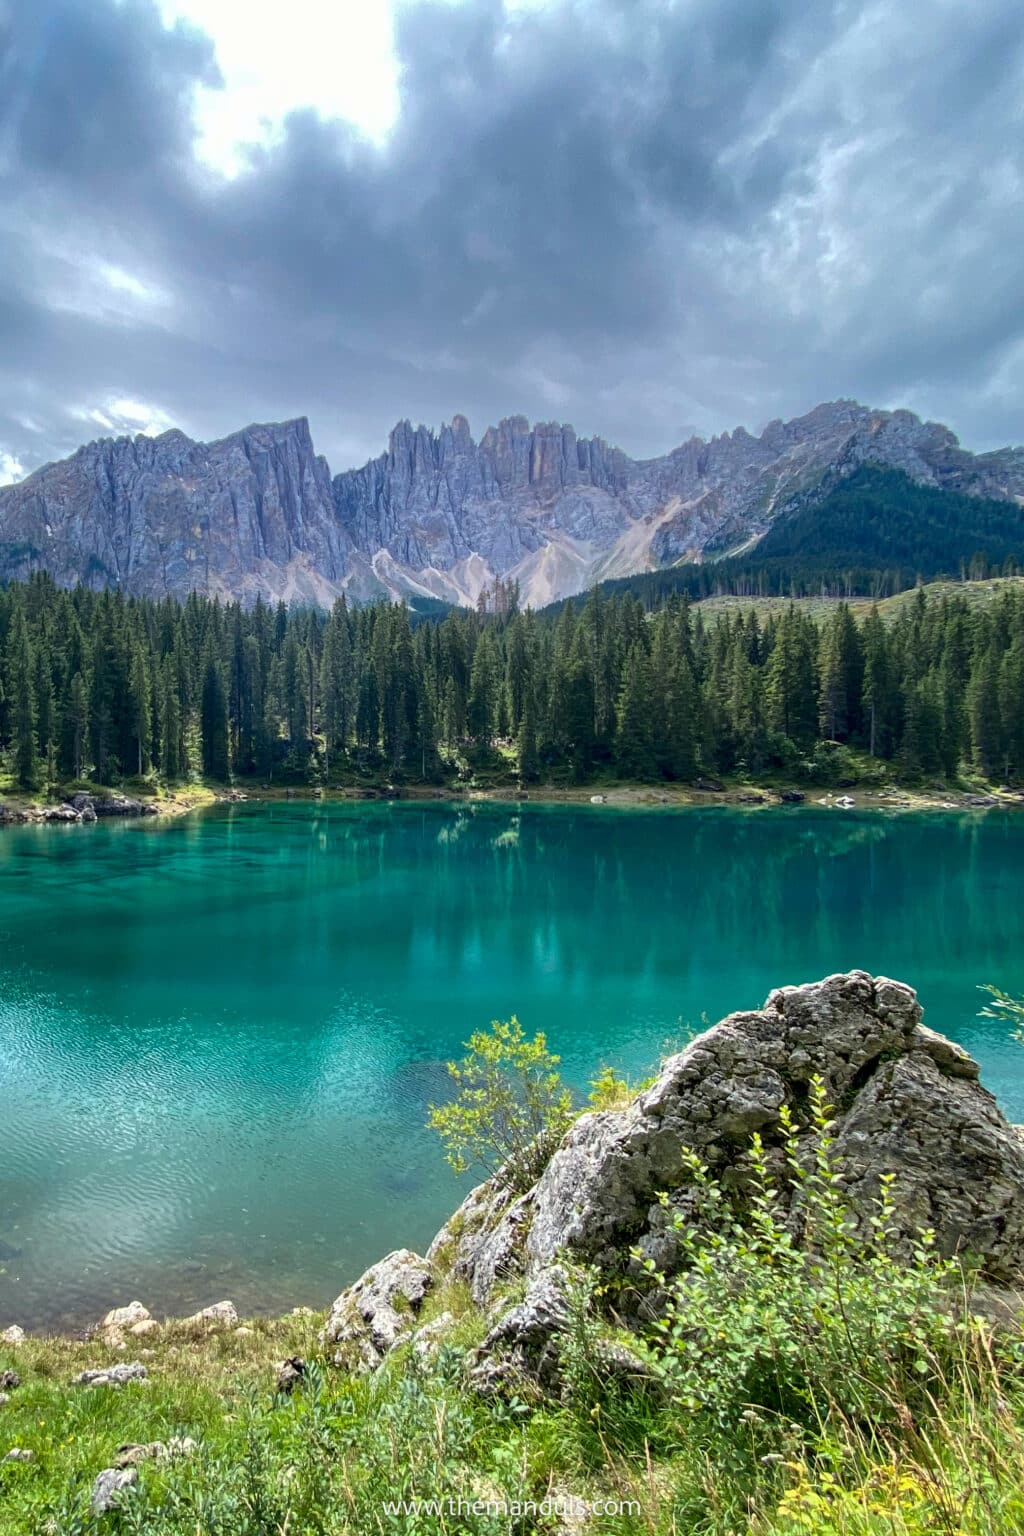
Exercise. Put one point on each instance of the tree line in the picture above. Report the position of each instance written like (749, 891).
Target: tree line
(97, 685)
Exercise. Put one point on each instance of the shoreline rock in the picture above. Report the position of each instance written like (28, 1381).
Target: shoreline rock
(908, 1102)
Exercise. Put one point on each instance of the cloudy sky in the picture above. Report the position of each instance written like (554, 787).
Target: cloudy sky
(647, 217)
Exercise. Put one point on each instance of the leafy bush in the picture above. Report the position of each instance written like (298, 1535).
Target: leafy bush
(512, 1106)
(800, 1313)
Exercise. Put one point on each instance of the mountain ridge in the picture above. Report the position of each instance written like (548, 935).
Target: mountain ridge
(440, 514)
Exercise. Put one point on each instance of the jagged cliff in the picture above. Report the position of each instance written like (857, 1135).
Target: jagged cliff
(441, 514)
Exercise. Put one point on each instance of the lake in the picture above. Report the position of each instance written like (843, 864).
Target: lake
(219, 1034)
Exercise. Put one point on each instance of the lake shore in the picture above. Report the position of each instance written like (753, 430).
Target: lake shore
(182, 799)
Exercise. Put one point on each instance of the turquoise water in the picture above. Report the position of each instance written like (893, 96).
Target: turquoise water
(219, 1035)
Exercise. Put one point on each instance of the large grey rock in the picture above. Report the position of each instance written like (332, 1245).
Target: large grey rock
(441, 513)
(369, 1318)
(907, 1102)
(120, 805)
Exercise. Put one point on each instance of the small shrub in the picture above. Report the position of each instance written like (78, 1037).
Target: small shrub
(511, 1108)
(609, 1091)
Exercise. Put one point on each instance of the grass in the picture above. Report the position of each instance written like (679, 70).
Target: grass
(323, 1461)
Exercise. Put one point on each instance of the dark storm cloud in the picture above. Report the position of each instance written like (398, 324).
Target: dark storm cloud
(632, 214)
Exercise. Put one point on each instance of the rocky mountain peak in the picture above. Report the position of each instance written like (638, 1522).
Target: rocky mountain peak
(440, 513)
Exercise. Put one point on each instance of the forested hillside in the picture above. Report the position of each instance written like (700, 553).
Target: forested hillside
(873, 534)
(102, 686)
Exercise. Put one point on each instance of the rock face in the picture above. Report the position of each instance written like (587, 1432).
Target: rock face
(907, 1102)
(440, 514)
(368, 1319)
(253, 512)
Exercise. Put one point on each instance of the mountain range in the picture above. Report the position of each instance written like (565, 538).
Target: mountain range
(441, 515)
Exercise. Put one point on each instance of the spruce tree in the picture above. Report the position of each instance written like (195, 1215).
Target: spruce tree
(77, 722)
(23, 712)
(634, 738)
(526, 745)
(214, 719)
(171, 764)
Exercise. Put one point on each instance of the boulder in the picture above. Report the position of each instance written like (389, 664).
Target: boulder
(12, 1335)
(123, 1317)
(123, 805)
(85, 805)
(109, 1487)
(907, 1102)
(221, 1315)
(9, 1380)
(19, 1453)
(58, 813)
(367, 1320)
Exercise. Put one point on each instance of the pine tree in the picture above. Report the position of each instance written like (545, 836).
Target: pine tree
(790, 706)
(634, 739)
(140, 704)
(526, 747)
(517, 672)
(483, 690)
(878, 696)
(214, 719)
(46, 715)
(20, 675)
(171, 764)
(984, 713)
(77, 719)
(336, 681)
(1011, 708)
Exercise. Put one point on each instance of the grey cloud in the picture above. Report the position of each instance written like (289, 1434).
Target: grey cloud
(627, 213)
